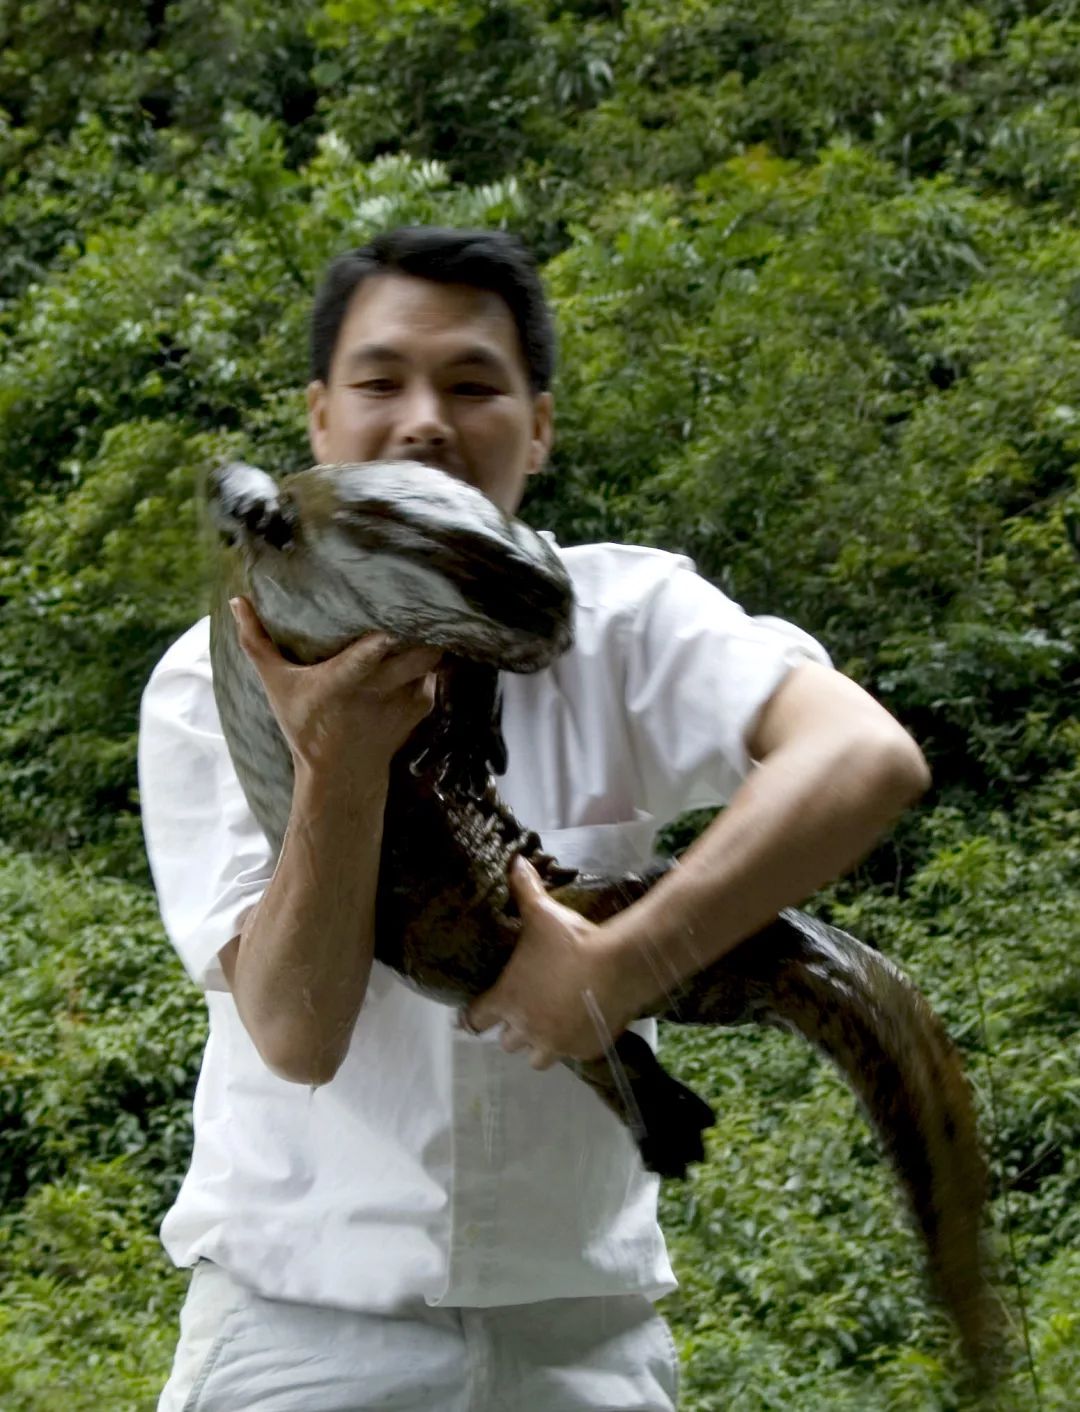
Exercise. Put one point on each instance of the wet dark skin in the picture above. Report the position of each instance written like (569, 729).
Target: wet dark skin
(435, 373)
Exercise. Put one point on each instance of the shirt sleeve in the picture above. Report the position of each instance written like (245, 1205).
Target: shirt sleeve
(210, 860)
(699, 672)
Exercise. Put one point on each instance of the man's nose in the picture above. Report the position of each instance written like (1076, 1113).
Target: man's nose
(424, 421)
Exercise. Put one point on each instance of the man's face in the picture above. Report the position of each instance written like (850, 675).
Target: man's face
(434, 373)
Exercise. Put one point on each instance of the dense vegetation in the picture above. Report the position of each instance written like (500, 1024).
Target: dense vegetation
(816, 271)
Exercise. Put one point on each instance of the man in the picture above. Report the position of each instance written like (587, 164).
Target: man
(385, 1209)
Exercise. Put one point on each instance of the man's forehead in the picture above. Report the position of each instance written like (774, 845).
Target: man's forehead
(389, 310)
(404, 315)
(454, 351)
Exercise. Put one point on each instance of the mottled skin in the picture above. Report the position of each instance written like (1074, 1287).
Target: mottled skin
(335, 552)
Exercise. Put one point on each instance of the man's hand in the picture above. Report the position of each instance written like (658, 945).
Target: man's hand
(358, 707)
(561, 994)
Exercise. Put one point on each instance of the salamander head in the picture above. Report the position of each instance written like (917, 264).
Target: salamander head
(245, 505)
(336, 551)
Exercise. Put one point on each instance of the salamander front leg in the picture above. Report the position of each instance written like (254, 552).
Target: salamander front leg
(665, 1117)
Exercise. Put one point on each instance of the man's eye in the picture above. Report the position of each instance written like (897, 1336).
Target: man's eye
(475, 389)
(378, 386)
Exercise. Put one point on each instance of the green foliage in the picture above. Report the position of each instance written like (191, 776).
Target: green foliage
(1057, 1336)
(986, 92)
(84, 141)
(109, 573)
(88, 1299)
(481, 86)
(100, 1033)
(815, 273)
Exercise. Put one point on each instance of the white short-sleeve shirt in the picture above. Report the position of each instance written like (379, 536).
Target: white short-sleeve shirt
(434, 1167)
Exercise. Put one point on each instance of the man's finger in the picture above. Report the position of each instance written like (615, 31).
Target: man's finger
(479, 1016)
(365, 656)
(525, 884)
(251, 634)
(541, 1059)
(412, 665)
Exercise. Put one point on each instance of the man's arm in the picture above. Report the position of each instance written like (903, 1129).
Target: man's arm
(835, 770)
(299, 969)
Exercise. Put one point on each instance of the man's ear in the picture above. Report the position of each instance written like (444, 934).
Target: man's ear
(543, 431)
(316, 420)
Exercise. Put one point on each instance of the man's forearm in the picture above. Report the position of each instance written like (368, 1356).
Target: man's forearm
(300, 968)
(805, 816)
(836, 769)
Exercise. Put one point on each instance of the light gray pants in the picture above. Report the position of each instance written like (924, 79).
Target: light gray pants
(239, 1352)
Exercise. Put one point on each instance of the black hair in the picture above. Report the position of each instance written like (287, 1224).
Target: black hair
(493, 260)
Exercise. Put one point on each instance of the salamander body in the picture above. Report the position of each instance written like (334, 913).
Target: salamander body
(336, 551)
